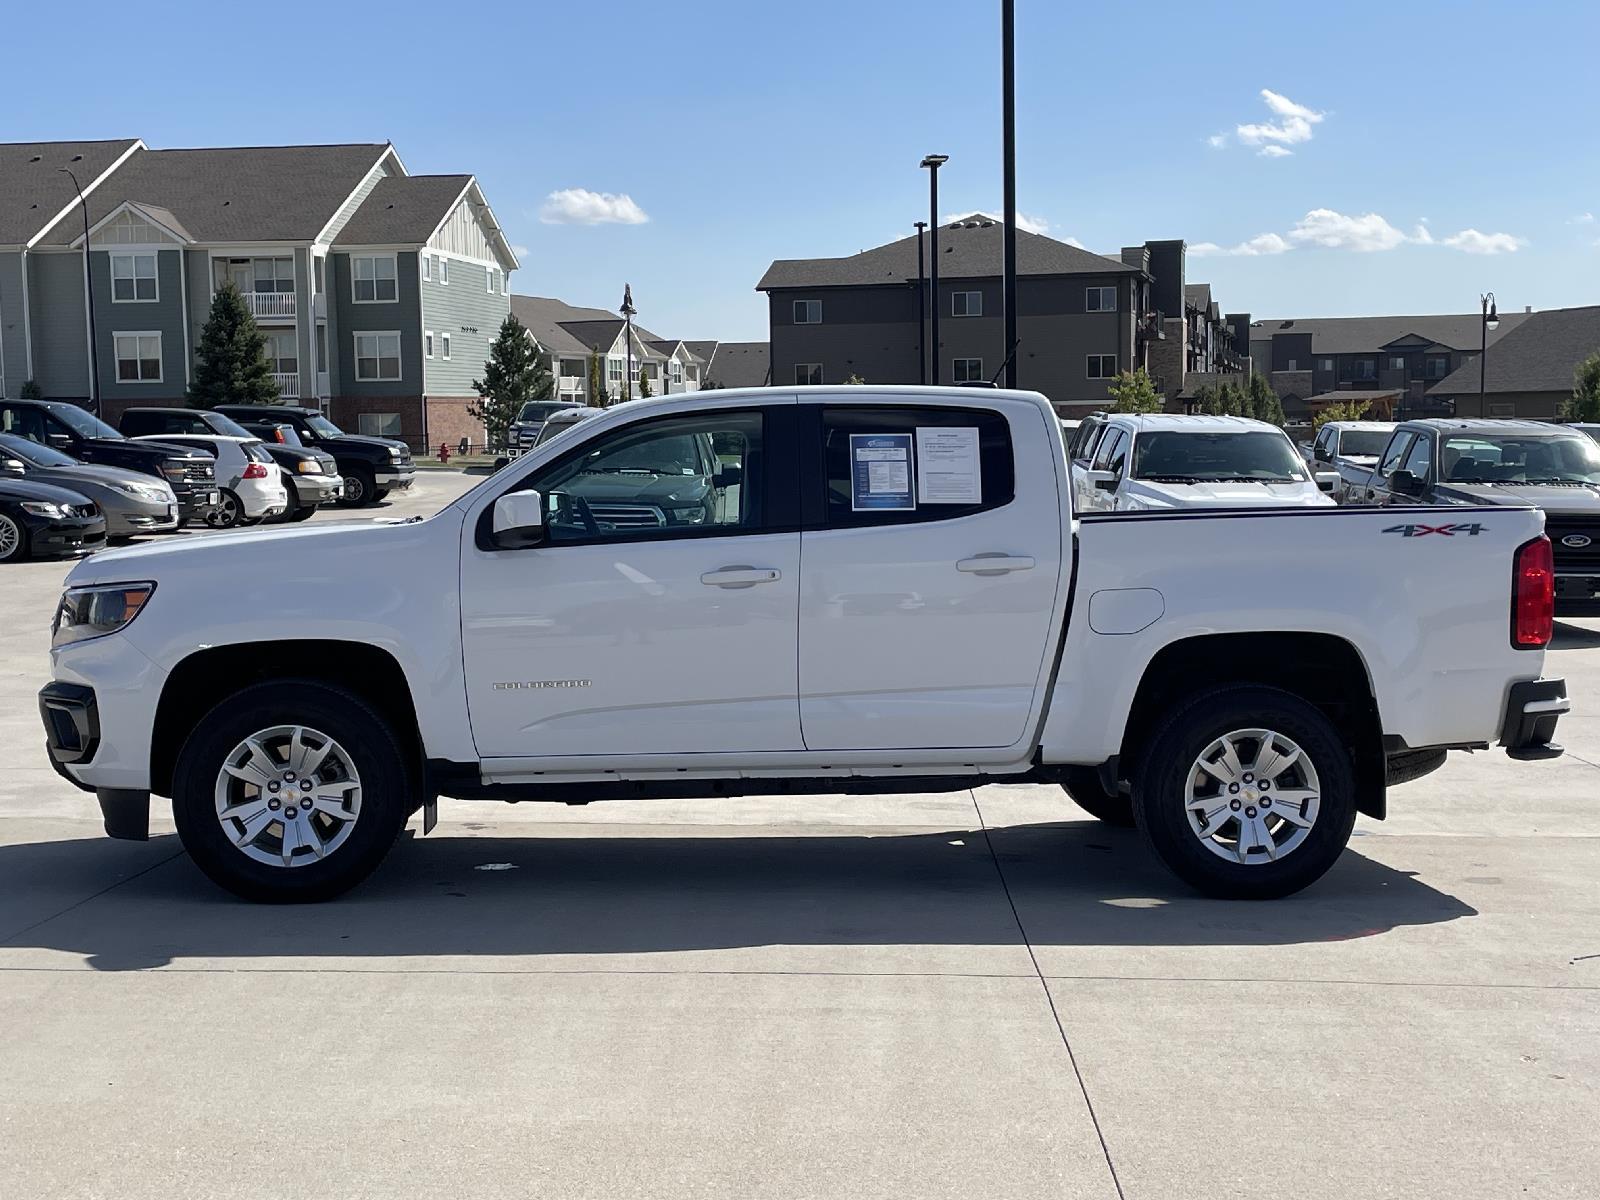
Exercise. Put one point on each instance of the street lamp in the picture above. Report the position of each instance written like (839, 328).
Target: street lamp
(627, 310)
(88, 287)
(1491, 320)
(922, 308)
(933, 162)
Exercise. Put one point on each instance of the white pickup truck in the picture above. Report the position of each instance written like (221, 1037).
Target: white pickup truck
(888, 592)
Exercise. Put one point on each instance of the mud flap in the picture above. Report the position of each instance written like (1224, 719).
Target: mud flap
(126, 813)
(430, 815)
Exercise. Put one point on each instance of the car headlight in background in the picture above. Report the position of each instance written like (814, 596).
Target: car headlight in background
(144, 492)
(91, 612)
(43, 508)
(396, 452)
(308, 466)
(687, 516)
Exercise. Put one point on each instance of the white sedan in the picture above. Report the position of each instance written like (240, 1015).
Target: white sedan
(251, 482)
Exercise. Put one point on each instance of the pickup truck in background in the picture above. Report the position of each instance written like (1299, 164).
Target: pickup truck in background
(369, 467)
(890, 592)
(1351, 450)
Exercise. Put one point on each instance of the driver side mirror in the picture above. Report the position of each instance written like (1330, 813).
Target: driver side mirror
(12, 466)
(1322, 455)
(1106, 481)
(60, 441)
(519, 521)
(728, 476)
(1405, 483)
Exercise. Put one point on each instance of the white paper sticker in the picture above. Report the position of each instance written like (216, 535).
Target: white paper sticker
(948, 468)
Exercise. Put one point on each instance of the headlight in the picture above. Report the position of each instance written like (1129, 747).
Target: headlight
(687, 516)
(308, 466)
(43, 508)
(396, 452)
(143, 491)
(91, 612)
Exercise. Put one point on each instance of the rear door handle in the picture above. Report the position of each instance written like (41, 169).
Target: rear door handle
(994, 564)
(740, 576)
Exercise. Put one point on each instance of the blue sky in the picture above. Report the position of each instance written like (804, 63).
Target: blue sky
(1410, 155)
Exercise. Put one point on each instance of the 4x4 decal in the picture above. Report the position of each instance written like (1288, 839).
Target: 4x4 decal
(1447, 530)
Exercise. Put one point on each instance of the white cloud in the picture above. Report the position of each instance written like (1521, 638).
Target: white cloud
(1256, 247)
(1025, 221)
(1293, 124)
(1582, 219)
(580, 206)
(1335, 231)
(1217, 141)
(519, 251)
(1470, 241)
(1273, 151)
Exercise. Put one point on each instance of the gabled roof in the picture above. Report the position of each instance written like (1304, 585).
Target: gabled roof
(1197, 295)
(1538, 355)
(236, 193)
(33, 191)
(153, 214)
(740, 364)
(702, 350)
(1368, 335)
(547, 317)
(403, 209)
(968, 249)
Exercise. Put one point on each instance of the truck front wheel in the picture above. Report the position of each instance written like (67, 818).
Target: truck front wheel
(1246, 793)
(290, 791)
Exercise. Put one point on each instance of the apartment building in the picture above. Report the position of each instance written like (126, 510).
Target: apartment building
(379, 291)
(570, 335)
(1529, 371)
(1082, 318)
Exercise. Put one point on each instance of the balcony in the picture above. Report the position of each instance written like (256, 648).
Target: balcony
(270, 305)
(288, 384)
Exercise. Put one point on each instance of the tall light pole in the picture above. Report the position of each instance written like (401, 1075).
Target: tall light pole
(1008, 106)
(933, 162)
(627, 310)
(88, 288)
(922, 308)
(1491, 320)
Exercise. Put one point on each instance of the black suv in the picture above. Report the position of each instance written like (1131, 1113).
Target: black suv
(372, 467)
(192, 474)
(311, 476)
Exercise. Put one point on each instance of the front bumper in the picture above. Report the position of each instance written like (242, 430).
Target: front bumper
(317, 489)
(140, 517)
(399, 476)
(55, 537)
(1532, 709)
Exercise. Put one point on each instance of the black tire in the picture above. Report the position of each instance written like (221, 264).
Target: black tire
(359, 487)
(386, 789)
(379, 495)
(1413, 764)
(302, 512)
(1160, 790)
(229, 513)
(1082, 785)
(16, 538)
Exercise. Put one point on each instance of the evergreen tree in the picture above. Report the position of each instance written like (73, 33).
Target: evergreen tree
(231, 361)
(1264, 404)
(515, 374)
(1133, 392)
(855, 380)
(31, 390)
(1584, 404)
(644, 383)
(598, 396)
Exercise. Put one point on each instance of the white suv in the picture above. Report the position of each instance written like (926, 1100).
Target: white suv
(1158, 462)
(251, 482)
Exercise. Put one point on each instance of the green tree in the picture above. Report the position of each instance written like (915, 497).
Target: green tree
(31, 390)
(1263, 402)
(598, 397)
(1350, 410)
(644, 383)
(1132, 392)
(1584, 403)
(855, 380)
(515, 373)
(231, 360)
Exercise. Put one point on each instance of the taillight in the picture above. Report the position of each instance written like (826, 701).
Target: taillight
(257, 470)
(1533, 595)
(277, 435)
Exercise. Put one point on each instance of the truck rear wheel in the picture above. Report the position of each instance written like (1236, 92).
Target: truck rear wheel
(1246, 793)
(290, 791)
(1083, 785)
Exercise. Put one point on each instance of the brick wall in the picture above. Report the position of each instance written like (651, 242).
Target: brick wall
(346, 414)
(1167, 358)
(448, 422)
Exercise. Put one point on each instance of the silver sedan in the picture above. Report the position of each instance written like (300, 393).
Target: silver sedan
(132, 502)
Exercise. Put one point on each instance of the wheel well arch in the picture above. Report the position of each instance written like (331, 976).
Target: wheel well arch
(205, 678)
(1321, 668)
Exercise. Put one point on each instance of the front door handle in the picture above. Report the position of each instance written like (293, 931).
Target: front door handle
(994, 564)
(740, 576)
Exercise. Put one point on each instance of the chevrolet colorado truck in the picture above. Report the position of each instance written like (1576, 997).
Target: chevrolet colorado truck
(890, 592)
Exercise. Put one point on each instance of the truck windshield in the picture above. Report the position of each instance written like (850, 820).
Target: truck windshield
(1363, 442)
(1185, 456)
(82, 422)
(323, 427)
(1496, 459)
(655, 456)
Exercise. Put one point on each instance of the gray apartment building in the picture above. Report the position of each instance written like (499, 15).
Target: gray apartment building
(1082, 318)
(379, 291)
(1399, 359)
(1530, 368)
(570, 335)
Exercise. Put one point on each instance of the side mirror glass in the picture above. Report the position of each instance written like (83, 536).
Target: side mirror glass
(1405, 483)
(13, 466)
(519, 520)
(60, 441)
(1106, 481)
(1323, 455)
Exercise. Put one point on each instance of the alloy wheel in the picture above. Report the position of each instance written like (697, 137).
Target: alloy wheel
(288, 796)
(227, 513)
(1252, 796)
(355, 492)
(10, 538)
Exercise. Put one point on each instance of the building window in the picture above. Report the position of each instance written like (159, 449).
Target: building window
(808, 312)
(374, 279)
(1438, 367)
(1323, 364)
(614, 371)
(427, 268)
(283, 355)
(427, 343)
(386, 425)
(444, 269)
(1364, 368)
(807, 374)
(967, 370)
(1102, 366)
(677, 372)
(272, 275)
(138, 357)
(966, 304)
(1293, 365)
(378, 356)
(1397, 363)
(319, 272)
(444, 345)
(133, 278)
(492, 281)
(1100, 299)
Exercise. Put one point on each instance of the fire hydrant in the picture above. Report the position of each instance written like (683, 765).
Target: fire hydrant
(444, 452)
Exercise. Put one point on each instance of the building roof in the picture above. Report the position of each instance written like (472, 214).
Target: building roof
(547, 318)
(1538, 355)
(968, 249)
(703, 350)
(740, 364)
(1347, 395)
(403, 209)
(1198, 295)
(236, 193)
(33, 190)
(1359, 335)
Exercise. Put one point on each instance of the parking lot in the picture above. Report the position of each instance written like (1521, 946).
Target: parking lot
(979, 994)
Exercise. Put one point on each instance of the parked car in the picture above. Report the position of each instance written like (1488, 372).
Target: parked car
(1146, 461)
(311, 476)
(530, 421)
(252, 484)
(130, 502)
(1503, 462)
(1251, 678)
(40, 519)
(76, 432)
(371, 467)
(1351, 450)
(559, 422)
